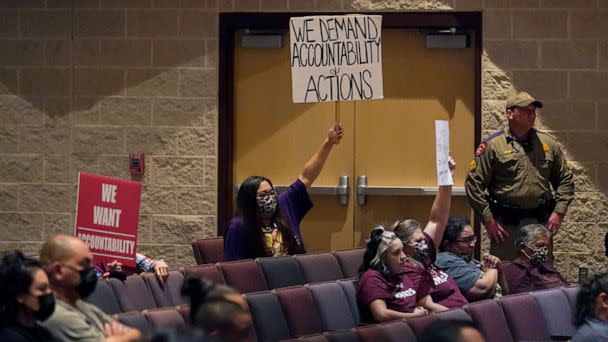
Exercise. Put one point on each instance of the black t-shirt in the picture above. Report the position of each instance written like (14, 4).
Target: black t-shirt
(18, 333)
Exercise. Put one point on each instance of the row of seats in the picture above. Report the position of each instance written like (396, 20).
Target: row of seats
(155, 319)
(143, 292)
(328, 312)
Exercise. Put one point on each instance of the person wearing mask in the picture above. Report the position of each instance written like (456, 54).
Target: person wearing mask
(25, 300)
(476, 280)
(421, 247)
(268, 224)
(519, 176)
(68, 263)
(384, 291)
(591, 310)
(531, 271)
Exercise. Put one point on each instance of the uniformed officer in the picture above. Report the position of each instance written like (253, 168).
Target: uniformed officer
(519, 176)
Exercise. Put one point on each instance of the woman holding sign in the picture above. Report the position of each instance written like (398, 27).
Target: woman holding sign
(268, 224)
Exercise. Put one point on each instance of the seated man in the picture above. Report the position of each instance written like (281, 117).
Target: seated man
(530, 271)
(67, 262)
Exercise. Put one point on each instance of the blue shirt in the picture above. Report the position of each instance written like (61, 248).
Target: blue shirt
(466, 274)
(592, 330)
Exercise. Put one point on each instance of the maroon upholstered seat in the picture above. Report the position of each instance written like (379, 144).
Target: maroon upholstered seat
(333, 306)
(488, 315)
(524, 318)
(392, 331)
(300, 310)
(419, 324)
(209, 271)
(349, 261)
(208, 251)
(136, 320)
(244, 275)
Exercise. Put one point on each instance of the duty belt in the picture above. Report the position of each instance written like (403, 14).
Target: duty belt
(512, 215)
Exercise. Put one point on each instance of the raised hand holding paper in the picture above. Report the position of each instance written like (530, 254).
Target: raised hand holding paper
(442, 141)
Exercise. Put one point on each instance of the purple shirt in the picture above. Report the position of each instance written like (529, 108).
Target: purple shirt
(398, 292)
(444, 289)
(294, 204)
(522, 277)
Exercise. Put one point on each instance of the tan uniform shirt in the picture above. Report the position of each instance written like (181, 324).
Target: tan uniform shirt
(519, 174)
(84, 323)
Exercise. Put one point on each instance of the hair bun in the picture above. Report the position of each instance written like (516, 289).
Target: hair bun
(376, 234)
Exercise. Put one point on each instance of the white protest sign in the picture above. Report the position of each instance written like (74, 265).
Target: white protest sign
(336, 58)
(442, 142)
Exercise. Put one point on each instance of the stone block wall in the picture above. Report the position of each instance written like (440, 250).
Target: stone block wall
(83, 83)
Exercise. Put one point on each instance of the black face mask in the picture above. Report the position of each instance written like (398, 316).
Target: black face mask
(88, 282)
(46, 308)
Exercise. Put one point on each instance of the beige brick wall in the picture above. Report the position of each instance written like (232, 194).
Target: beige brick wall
(82, 86)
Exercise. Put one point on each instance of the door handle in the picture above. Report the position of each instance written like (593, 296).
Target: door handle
(363, 190)
(342, 189)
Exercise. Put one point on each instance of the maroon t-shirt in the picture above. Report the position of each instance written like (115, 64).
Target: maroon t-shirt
(522, 277)
(398, 291)
(444, 289)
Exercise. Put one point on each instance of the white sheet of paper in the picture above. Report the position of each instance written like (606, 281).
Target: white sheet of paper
(442, 141)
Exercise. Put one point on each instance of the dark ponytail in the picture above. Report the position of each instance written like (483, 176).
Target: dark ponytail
(585, 300)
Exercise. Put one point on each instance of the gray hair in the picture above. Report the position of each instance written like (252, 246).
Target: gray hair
(529, 233)
(405, 229)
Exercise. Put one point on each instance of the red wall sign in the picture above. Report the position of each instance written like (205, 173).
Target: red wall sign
(107, 216)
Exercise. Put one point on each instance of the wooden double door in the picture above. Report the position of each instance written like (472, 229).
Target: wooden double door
(384, 169)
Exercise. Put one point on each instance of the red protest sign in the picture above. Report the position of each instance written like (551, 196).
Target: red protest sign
(107, 216)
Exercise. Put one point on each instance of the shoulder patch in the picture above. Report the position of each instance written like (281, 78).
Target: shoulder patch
(481, 149)
(546, 147)
(473, 165)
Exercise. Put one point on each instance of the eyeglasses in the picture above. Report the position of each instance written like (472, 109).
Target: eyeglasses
(469, 240)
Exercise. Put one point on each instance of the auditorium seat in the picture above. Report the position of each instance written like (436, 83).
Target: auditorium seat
(208, 251)
(396, 331)
(350, 261)
(419, 324)
(319, 267)
(333, 306)
(454, 314)
(209, 271)
(490, 318)
(556, 311)
(169, 293)
(244, 275)
(350, 290)
(164, 318)
(268, 318)
(135, 319)
(300, 310)
(103, 297)
(281, 272)
(132, 294)
(571, 292)
(524, 318)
